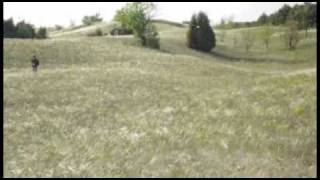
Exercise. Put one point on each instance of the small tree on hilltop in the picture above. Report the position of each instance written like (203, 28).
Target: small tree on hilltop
(136, 17)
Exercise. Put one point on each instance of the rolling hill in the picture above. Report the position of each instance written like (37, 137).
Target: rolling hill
(107, 107)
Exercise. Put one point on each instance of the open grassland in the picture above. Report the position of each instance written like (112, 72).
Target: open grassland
(107, 107)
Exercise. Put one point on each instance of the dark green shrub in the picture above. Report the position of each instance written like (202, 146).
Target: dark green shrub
(200, 35)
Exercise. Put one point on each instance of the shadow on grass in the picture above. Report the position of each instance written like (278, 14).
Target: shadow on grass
(251, 59)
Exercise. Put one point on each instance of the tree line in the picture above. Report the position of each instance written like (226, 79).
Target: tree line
(304, 14)
(22, 30)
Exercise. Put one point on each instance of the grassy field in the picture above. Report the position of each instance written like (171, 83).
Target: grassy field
(107, 107)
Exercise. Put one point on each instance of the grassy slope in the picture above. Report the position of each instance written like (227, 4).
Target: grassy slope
(107, 107)
(304, 56)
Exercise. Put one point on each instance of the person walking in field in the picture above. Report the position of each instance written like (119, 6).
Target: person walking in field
(35, 63)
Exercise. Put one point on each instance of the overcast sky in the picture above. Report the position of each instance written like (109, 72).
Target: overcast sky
(51, 13)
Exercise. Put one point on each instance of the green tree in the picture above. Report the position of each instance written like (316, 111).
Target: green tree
(309, 16)
(191, 38)
(291, 35)
(263, 19)
(200, 35)
(25, 30)
(283, 13)
(136, 16)
(305, 14)
(89, 20)
(9, 29)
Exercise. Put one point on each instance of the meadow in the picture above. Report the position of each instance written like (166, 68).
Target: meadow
(108, 107)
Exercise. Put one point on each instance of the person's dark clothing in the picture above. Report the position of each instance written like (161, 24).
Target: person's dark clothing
(35, 63)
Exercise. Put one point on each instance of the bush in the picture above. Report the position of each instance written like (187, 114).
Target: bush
(97, 32)
(42, 33)
(200, 35)
(151, 38)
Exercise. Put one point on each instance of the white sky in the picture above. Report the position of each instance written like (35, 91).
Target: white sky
(51, 13)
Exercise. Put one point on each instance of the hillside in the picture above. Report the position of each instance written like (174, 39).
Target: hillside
(107, 107)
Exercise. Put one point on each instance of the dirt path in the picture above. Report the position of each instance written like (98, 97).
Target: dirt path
(298, 72)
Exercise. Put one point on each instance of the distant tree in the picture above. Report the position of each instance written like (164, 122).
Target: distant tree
(266, 34)
(309, 16)
(89, 20)
(41, 33)
(248, 39)
(283, 13)
(58, 27)
(22, 30)
(200, 35)
(263, 19)
(291, 35)
(312, 15)
(25, 30)
(9, 29)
